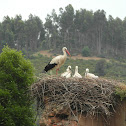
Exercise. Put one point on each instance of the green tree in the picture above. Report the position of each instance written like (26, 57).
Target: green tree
(86, 51)
(99, 25)
(33, 29)
(66, 18)
(7, 31)
(124, 35)
(19, 34)
(66, 21)
(52, 30)
(16, 75)
(100, 68)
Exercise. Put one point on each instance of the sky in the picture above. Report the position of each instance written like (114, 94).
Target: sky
(116, 8)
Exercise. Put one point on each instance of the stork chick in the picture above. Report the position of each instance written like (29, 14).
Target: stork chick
(68, 72)
(76, 74)
(90, 75)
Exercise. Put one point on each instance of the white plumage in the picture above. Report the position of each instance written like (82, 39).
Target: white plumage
(90, 75)
(67, 73)
(76, 74)
(57, 62)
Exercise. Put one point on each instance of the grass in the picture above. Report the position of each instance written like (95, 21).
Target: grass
(113, 69)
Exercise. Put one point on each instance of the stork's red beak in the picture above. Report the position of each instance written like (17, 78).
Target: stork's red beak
(68, 52)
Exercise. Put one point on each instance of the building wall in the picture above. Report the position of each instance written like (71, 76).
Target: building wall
(118, 119)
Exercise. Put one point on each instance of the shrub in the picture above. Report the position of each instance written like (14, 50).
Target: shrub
(86, 51)
(121, 91)
(16, 75)
(100, 67)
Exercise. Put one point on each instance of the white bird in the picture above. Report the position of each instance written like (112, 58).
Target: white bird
(57, 61)
(77, 75)
(90, 75)
(67, 73)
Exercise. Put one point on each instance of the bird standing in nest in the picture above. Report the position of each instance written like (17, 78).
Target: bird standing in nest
(57, 62)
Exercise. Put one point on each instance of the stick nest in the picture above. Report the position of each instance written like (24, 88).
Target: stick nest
(90, 96)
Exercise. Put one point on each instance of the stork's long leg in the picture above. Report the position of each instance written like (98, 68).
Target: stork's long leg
(57, 71)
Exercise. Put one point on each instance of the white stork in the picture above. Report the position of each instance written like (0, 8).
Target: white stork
(90, 75)
(77, 75)
(67, 73)
(57, 61)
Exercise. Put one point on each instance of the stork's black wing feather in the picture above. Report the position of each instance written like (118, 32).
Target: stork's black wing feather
(49, 67)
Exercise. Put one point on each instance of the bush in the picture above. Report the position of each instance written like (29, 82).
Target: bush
(121, 91)
(86, 51)
(16, 75)
(100, 67)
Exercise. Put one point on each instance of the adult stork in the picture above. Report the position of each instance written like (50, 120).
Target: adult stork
(67, 73)
(90, 75)
(77, 75)
(57, 61)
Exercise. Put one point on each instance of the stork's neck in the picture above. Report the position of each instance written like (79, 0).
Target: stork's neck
(76, 70)
(64, 53)
(87, 71)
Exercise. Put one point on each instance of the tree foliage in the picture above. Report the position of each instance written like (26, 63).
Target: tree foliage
(86, 51)
(71, 28)
(100, 68)
(20, 34)
(16, 75)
